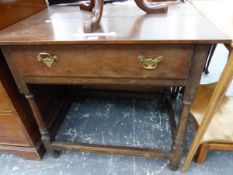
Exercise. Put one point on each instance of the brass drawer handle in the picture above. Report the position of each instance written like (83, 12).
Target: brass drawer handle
(150, 63)
(46, 58)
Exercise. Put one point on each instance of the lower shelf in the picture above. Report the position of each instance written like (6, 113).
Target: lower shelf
(131, 126)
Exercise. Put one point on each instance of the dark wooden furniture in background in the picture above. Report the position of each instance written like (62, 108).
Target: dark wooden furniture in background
(13, 11)
(19, 132)
(174, 55)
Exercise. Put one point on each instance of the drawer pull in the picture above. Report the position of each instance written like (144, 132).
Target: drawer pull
(46, 58)
(150, 63)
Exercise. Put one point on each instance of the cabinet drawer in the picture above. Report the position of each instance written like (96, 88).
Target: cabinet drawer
(110, 61)
(5, 104)
(11, 131)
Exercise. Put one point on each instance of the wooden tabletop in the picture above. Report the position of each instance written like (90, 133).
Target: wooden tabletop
(120, 24)
(220, 12)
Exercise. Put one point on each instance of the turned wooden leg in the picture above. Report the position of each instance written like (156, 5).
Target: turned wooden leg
(42, 127)
(178, 143)
(87, 7)
(198, 61)
(93, 23)
(47, 141)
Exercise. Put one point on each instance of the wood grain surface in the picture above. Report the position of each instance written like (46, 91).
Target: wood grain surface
(62, 25)
(109, 56)
(104, 62)
(11, 11)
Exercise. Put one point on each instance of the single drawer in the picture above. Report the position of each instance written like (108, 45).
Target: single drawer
(104, 61)
(5, 103)
(11, 132)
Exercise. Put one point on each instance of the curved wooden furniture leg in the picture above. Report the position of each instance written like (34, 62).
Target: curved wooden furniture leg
(90, 25)
(87, 7)
(198, 61)
(210, 55)
(151, 7)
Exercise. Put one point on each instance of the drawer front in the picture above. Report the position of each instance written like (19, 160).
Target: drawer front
(112, 61)
(5, 104)
(11, 132)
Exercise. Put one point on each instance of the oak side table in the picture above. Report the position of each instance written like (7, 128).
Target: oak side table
(128, 48)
